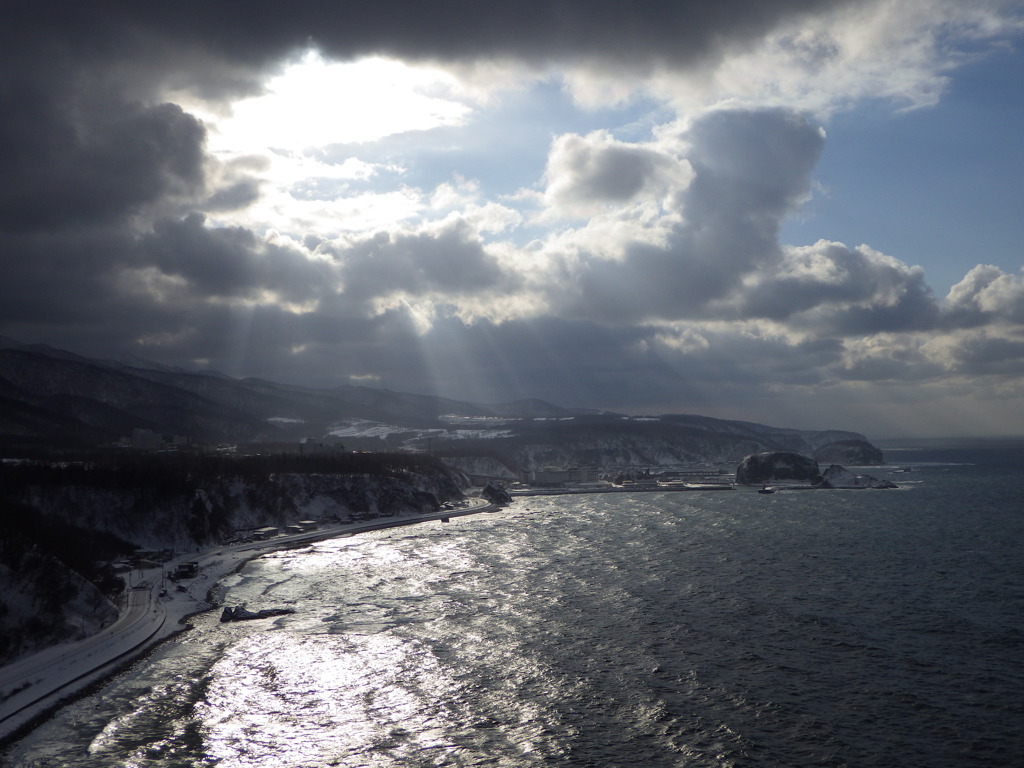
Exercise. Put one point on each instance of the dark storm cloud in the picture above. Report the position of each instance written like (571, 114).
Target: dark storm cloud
(547, 357)
(330, 347)
(82, 137)
(571, 362)
(99, 289)
(914, 310)
(628, 368)
(69, 288)
(231, 261)
(253, 31)
(60, 278)
(91, 164)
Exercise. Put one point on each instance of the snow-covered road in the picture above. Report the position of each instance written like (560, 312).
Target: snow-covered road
(37, 681)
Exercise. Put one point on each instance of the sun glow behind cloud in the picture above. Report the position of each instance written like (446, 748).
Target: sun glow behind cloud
(315, 102)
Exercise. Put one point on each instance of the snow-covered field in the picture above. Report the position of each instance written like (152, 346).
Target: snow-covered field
(363, 428)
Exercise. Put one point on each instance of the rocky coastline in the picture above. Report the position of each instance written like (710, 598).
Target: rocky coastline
(794, 471)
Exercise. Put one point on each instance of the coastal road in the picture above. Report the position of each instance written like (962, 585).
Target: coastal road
(40, 678)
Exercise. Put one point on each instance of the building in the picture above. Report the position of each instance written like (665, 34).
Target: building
(553, 477)
(187, 570)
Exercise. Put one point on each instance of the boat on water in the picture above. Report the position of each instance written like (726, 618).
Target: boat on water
(765, 489)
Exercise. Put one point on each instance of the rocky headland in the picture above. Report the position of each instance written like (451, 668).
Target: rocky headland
(794, 469)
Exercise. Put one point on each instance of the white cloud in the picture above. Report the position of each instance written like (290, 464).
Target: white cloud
(988, 289)
(828, 278)
(455, 194)
(586, 175)
(892, 51)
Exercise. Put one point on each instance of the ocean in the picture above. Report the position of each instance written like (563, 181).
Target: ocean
(706, 628)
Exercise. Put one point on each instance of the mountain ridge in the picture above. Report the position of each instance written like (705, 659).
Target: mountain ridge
(50, 396)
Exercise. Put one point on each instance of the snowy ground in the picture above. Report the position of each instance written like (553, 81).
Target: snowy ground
(154, 611)
(482, 428)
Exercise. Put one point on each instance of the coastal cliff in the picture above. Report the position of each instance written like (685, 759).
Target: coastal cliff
(71, 537)
(620, 442)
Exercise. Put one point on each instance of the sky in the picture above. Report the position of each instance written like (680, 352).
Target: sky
(803, 213)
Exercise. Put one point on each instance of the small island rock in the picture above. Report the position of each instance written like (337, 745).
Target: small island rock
(496, 494)
(240, 613)
(772, 466)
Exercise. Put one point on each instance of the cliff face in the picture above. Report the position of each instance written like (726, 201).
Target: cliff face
(191, 517)
(44, 602)
(662, 441)
(52, 533)
(481, 466)
(50, 591)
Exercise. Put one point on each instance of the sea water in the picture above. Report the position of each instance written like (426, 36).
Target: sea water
(709, 628)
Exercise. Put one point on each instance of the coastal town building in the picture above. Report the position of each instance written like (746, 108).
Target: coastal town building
(553, 477)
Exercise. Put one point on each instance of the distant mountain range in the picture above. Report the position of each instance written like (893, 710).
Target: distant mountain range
(53, 397)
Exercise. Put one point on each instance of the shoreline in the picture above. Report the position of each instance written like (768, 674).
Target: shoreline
(516, 493)
(33, 687)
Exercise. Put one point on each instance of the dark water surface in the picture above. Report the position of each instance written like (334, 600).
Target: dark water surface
(814, 628)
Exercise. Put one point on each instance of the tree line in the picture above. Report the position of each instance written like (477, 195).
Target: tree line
(169, 473)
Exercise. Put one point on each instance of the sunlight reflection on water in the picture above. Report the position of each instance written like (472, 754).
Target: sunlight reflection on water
(304, 700)
(862, 628)
(350, 690)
